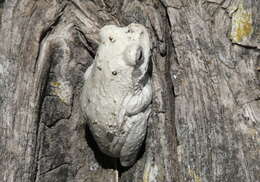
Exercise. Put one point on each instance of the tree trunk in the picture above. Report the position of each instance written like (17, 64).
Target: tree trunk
(206, 79)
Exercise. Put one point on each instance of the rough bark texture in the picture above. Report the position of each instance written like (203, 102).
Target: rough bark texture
(206, 63)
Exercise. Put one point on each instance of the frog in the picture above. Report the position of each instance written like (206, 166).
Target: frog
(117, 92)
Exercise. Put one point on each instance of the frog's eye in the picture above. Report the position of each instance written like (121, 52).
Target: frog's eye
(139, 57)
(133, 54)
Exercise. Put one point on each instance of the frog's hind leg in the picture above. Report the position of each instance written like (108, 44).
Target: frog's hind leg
(134, 139)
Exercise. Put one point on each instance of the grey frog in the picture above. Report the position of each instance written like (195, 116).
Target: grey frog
(117, 91)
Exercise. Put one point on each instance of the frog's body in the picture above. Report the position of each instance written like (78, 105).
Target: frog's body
(117, 91)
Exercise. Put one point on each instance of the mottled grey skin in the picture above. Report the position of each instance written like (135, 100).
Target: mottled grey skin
(117, 92)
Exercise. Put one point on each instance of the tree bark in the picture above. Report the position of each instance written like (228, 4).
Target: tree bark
(206, 83)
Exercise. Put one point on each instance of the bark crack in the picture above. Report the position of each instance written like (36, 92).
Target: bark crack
(54, 168)
(87, 44)
(46, 32)
(247, 46)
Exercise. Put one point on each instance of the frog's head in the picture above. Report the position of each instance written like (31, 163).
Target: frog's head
(132, 42)
(126, 46)
(137, 53)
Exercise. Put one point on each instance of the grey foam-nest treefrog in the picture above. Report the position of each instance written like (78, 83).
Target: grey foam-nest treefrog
(117, 91)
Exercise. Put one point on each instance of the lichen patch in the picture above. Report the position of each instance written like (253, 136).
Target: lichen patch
(195, 177)
(63, 90)
(242, 26)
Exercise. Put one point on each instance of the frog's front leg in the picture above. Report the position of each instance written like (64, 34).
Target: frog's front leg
(139, 101)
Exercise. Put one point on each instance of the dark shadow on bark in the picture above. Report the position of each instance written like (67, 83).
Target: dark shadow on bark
(104, 160)
(258, 69)
(1, 10)
(2, 3)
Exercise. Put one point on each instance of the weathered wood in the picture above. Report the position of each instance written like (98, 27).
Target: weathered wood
(217, 98)
(205, 121)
